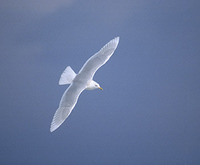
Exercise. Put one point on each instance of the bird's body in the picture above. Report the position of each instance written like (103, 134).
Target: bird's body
(81, 81)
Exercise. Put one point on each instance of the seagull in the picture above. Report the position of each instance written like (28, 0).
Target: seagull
(80, 82)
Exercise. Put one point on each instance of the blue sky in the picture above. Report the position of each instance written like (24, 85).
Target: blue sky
(149, 110)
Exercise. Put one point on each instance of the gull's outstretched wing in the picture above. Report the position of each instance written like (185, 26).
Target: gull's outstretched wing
(97, 60)
(67, 103)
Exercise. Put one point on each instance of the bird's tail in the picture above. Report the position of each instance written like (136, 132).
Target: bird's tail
(67, 76)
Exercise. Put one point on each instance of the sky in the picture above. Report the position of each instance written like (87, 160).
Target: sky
(149, 110)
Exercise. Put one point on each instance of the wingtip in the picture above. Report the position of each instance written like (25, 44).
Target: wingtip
(116, 39)
(52, 128)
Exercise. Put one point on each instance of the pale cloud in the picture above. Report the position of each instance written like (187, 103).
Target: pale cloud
(38, 7)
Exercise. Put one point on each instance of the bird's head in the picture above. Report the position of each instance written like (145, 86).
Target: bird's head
(93, 85)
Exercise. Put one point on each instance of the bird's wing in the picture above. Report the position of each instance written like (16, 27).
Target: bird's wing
(67, 103)
(97, 60)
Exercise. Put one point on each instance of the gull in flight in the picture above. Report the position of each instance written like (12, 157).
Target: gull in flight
(81, 81)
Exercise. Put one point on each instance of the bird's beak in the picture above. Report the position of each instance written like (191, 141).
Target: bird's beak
(100, 88)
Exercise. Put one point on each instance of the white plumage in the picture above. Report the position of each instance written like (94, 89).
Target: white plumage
(81, 81)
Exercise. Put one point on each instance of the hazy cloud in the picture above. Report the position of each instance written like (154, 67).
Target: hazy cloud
(39, 7)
